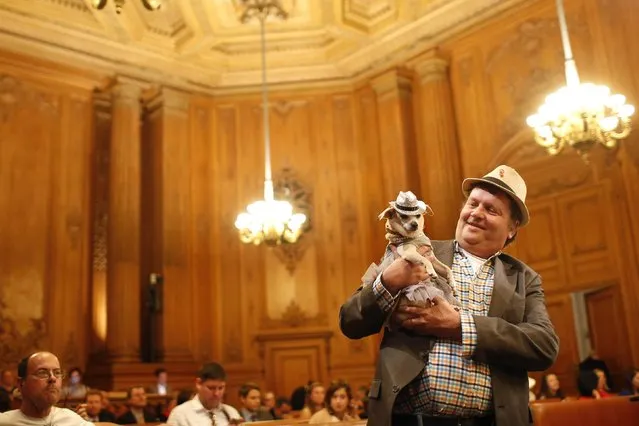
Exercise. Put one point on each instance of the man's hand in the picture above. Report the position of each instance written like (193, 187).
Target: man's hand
(401, 273)
(81, 410)
(441, 319)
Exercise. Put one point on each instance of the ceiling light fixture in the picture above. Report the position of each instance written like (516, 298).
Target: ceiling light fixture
(581, 115)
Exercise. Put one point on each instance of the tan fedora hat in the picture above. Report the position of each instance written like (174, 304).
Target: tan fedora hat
(508, 180)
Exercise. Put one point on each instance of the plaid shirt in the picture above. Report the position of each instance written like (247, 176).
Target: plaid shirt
(452, 384)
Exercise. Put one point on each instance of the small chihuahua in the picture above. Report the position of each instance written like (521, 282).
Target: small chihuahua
(405, 230)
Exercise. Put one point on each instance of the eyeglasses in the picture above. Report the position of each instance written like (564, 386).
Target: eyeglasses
(44, 374)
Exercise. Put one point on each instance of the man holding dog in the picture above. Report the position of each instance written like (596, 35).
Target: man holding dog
(476, 372)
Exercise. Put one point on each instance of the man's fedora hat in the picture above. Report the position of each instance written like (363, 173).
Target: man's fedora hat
(508, 180)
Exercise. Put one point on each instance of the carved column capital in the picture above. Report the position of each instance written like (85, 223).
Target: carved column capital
(431, 69)
(393, 83)
(126, 93)
(169, 101)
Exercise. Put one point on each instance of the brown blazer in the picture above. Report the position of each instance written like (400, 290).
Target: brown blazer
(516, 337)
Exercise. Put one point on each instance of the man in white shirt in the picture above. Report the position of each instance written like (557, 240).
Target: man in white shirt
(206, 409)
(40, 383)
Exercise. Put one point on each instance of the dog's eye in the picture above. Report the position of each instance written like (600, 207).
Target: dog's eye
(403, 216)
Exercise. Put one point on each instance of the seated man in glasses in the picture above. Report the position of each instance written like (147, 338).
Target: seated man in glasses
(40, 383)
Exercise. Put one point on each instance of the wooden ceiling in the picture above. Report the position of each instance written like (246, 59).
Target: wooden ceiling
(201, 45)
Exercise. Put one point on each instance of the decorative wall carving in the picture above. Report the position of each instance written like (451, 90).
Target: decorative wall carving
(14, 344)
(294, 317)
(288, 187)
(13, 93)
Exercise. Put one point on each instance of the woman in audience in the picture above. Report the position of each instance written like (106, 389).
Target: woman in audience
(338, 405)
(587, 384)
(550, 388)
(602, 384)
(633, 384)
(75, 388)
(315, 394)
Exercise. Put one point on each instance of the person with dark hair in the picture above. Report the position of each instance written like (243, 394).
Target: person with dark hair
(7, 386)
(282, 408)
(445, 364)
(337, 405)
(40, 384)
(632, 387)
(206, 408)
(550, 388)
(161, 385)
(250, 397)
(96, 412)
(138, 411)
(75, 388)
(587, 382)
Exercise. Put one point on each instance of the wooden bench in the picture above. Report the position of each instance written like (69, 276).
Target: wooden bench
(617, 411)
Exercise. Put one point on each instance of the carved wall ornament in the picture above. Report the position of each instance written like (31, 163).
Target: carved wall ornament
(294, 316)
(284, 107)
(287, 187)
(13, 94)
(14, 344)
(233, 350)
(100, 242)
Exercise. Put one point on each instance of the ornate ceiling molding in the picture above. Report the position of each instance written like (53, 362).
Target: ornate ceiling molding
(201, 46)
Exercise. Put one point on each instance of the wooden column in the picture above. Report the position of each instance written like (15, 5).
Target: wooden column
(169, 184)
(123, 238)
(396, 133)
(437, 150)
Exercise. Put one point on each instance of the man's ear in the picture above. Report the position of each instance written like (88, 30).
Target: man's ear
(386, 214)
(514, 227)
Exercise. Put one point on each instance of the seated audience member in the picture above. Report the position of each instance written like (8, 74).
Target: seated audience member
(633, 384)
(550, 388)
(40, 385)
(315, 394)
(298, 397)
(268, 403)
(587, 383)
(338, 405)
(75, 388)
(182, 396)
(137, 408)
(602, 384)
(161, 386)
(593, 362)
(206, 408)
(360, 401)
(95, 411)
(7, 386)
(283, 408)
(250, 398)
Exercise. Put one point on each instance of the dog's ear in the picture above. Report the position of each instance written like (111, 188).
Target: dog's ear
(386, 214)
(429, 211)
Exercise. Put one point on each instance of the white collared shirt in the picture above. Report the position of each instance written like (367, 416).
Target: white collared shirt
(161, 389)
(193, 413)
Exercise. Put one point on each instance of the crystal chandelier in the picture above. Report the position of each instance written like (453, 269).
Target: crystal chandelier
(581, 115)
(119, 4)
(268, 221)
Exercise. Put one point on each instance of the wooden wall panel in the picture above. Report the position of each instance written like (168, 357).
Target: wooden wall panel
(245, 306)
(45, 231)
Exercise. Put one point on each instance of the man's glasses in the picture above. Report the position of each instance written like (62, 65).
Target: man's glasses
(44, 374)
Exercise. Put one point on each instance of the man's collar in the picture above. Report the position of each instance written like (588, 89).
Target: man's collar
(458, 249)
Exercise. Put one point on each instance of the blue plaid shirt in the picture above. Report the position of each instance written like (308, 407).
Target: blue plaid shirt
(451, 383)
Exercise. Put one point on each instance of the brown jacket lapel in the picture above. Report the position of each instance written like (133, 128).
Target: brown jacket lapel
(505, 277)
(503, 288)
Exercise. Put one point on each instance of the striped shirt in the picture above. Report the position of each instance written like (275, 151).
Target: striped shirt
(451, 383)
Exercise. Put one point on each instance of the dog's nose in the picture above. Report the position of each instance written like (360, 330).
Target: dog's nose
(413, 226)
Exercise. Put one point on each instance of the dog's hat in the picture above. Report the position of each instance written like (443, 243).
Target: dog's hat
(408, 204)
(508, 180)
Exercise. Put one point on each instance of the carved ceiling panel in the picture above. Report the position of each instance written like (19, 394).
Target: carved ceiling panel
(201, 44)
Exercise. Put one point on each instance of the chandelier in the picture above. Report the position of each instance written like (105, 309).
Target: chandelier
(580, 115)
(151, 5)
(267, 221)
